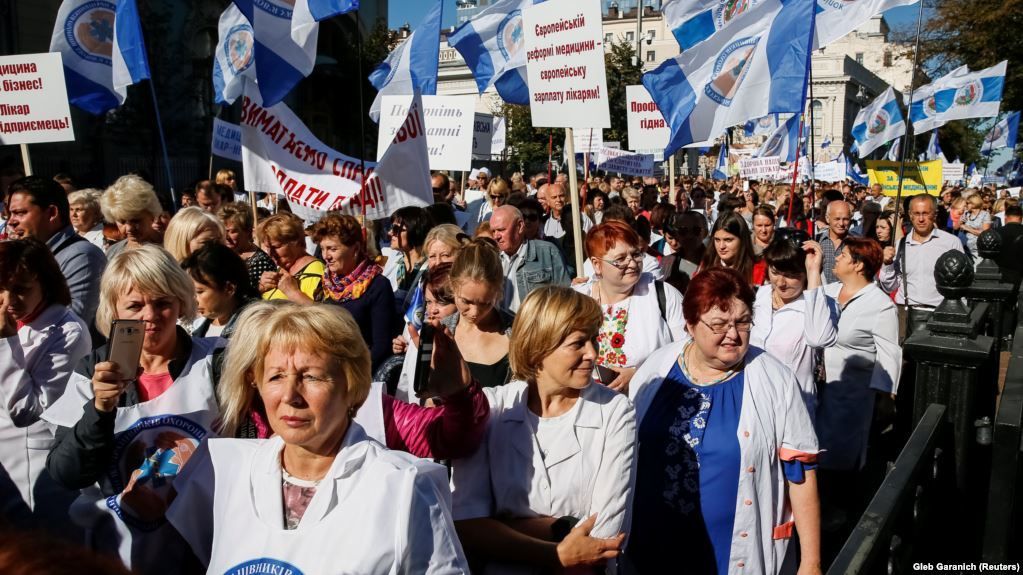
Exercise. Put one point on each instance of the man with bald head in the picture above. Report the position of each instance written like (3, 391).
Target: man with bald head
(557, 204)
(528, 264)
(839, 219)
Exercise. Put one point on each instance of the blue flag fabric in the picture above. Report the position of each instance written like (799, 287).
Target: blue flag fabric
(933, 151)
(783, 142)
(754, 66)
(493, 48)
(878, 123)
(1002, 134)
(309, 13)
(721, 169)
(412, 65)
(101, 44)
(958, 95)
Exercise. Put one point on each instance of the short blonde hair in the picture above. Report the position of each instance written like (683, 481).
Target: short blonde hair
(447, 234)
(548, 316)
(223, 175)
(129, 198)
(630, 194)
(283, 227)
(319, 328)
(151, 270)
(189, 223)
(89, 199)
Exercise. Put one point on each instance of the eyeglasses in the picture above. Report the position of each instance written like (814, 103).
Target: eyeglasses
(497, 198)
(722, 328)
(622, 263)
(397, 228)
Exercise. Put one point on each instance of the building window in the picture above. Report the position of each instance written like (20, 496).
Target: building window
(608, 38)
(817, 117)
(859, 58)
(630, 36)
(651, 56)
(887, 58)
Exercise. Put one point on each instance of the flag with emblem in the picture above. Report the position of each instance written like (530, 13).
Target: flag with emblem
(100, 42)
(492, 45)
(412, 66)
(959, 95)
(754, 66)
(761, 126)
(878, 123)
(309, 13)
(783, 142)
(1002, 134)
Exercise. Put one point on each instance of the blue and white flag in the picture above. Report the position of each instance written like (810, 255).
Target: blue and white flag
(893, 151)
(256, 43)
(761, 126)
(100, 42)
(412, 65)
(416, 312)
(783, 142)
(1002, 134)
(721, 168)
(836, 18)
(309, 13)
(959, 95)
(852, 171)
(933, 151)
(754, 66)
(493, 48)
(878, 123)
(970, 169)
(826, 143)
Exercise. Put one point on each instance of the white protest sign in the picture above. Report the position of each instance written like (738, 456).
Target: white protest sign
(449, 128)
(829, 172)
(625, 162)
(227, 140)
(588, 140)
(759, 168)
(498, 144)
(647, 128)
(482, 136)
(33, 100)
(952, 172)
(657, 153)
(565, 64)
(615, 145)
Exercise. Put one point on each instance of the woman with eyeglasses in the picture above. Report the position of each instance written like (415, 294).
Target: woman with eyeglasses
(496, 195)
(409, 226)
(725, 463)
(640, 314)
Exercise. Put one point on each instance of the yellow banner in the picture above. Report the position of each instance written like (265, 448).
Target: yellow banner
(918, 177)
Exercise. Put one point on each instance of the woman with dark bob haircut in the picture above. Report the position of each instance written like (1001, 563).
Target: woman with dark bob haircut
(41, 341)
(222, 288)
(408, 229)
(726, 446)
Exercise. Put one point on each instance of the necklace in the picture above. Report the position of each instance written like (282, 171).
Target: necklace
(682, 360)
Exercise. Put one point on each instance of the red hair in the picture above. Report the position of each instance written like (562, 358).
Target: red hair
(715, 287)
(603, 237)
(866, 251)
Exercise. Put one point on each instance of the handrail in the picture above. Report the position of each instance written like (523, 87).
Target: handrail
(870, 537)
(1005, 460)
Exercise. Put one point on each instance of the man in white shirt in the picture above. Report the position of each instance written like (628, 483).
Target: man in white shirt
(922, 249)
(557, 202)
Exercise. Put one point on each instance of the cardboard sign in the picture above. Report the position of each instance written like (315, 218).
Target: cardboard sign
(565, 64)
(625, 162)
(449, 128)
(588, 140)
(759, 168)
(33, 100)
(227, 140)
(919, 177)
(829, 172)
(953, 172)
(647, 128)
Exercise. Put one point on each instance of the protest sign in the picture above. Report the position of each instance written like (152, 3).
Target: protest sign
(625, 162)
(588, 140)
(759, 168)
(227, 140)
(829, 171)
(919, 177)
(482, 136)
(564, 42)
(280, 155)
(33, 100)
(615, 145)
(647, 128)
(953, 172)
(498, 144)
(449, 128)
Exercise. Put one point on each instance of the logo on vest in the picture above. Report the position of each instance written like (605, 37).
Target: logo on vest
(147, 458)
(730, 69)
(89, 31)
(264, 566)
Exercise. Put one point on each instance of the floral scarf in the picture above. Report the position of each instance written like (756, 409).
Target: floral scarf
(352, 286)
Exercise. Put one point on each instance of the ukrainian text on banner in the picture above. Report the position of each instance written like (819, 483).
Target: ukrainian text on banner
(919, 177)
(759, 168)
(280, 155)
(33, 100)
(625, 162)
(647, 128)
(449, 128)
(227, 140)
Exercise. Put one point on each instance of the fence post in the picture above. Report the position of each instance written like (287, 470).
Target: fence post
(949, 356)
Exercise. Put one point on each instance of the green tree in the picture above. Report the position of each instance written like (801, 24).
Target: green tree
(621, 72)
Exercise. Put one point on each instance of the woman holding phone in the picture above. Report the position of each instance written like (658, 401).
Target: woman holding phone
(126, 428)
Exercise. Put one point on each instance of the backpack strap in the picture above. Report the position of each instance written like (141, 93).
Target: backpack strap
(662, 303)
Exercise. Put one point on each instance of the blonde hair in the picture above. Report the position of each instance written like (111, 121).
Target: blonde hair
(129, 198)
(187, 224)
(237, 213)
(548, 316)
(282, 227)
(223, 175)
(149, 269)
(447, 234)
(478, 260)
(319, 328)
(975, 201)
(89, 199)
(630, 194)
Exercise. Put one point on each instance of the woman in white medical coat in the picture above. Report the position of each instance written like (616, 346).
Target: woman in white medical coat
(792, 317)
(550, 486)
(125, 432)
(41, 341)
(319, 497)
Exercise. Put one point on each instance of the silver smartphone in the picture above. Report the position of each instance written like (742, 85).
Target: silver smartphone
(125, 345)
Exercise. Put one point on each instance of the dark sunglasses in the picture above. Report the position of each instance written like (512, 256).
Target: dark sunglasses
(498, 198)
(397, 228)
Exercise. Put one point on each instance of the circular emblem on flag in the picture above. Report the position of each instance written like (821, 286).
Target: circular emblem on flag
(766, 122)
(728, 10)
(730, 69)
(930, 106)
(995, 134)
(263, 565)
(280, 8)
(969, 94)
(509, 35)
(878, 123)
(773, 145)
(238, 48)
(89, 31)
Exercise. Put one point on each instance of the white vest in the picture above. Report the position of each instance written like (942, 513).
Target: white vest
(152, 442)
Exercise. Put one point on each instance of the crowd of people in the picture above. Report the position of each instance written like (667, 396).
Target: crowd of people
(700, 392)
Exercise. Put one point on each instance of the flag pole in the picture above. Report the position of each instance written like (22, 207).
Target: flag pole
(795, 174)
(813, 141)
(163, 147)
(362, 127)
(573, 182)
(671, 180)
(26, 159)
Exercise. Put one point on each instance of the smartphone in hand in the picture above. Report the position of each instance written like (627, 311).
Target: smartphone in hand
(424, 356)
(125, 345)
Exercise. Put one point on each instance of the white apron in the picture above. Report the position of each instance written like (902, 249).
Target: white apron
(376, 511)
(153, 440)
